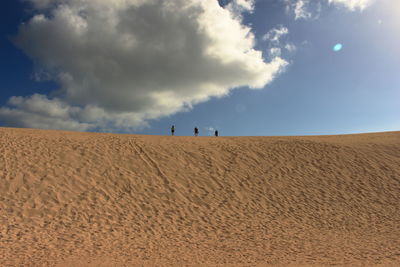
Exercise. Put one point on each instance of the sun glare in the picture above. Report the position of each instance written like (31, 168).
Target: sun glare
(337, 47)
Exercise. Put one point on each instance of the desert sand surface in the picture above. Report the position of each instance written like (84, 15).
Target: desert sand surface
(90, 199)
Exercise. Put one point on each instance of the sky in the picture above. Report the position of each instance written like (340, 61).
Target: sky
(244, 67)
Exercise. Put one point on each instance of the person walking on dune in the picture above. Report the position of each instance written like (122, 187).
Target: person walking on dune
(196, 131)
(173, 130)
(216, 133)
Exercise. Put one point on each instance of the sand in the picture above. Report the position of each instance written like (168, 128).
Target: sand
(90, 199)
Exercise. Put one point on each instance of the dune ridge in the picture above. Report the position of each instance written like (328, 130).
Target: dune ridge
(91, 199)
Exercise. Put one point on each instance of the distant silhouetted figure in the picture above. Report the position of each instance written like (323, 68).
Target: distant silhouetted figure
(216, 133)
(196, 131)
(173, 130)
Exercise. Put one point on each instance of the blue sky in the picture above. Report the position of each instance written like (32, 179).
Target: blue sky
(300, 85)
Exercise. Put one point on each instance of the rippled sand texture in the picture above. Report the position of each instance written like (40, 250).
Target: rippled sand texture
(89, 199)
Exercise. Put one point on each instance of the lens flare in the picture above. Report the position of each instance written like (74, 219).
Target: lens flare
(337, 47)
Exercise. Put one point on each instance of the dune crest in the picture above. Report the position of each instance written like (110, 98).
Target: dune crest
(89, 199)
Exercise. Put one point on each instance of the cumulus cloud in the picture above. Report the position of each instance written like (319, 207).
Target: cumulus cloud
(275, 34)
(353, 4)
(275, 52)
(274, 37)
(210, 130)
(121, 63)
(40, 4)
(290, 47)
(301, 11)
(40, 112)
(306, 9)
(237, 7)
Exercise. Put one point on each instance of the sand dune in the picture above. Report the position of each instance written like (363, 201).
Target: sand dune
(88, 199)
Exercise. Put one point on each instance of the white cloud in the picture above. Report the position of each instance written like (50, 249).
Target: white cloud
(353, 4)
(121, 63)
(275, 52)
(290, 47)
(274, 37)
(275, 34)
(39, 4)
(306, 9)
(210, 130)
(301, 11)
(39, 112)
(237, 7)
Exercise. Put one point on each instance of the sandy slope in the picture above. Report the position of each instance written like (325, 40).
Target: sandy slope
(86, 199)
